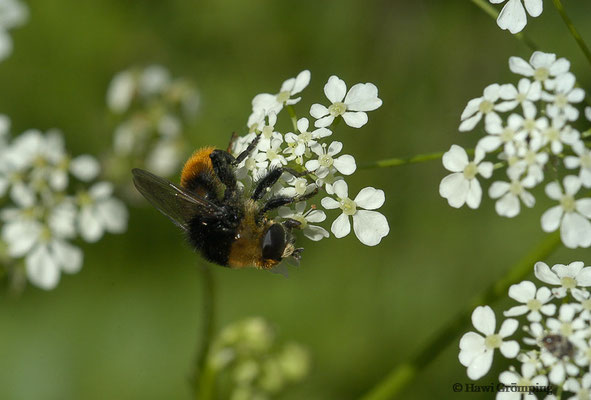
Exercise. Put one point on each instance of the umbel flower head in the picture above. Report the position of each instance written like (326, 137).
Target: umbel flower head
(47, 205)
(556, 321)
(152, 110)
(319, 161)
(257, 363)
(528, 131)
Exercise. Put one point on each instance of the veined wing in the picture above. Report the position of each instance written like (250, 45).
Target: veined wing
(171, 200)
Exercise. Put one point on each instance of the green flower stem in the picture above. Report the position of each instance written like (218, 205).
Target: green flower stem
(403, 374)
(203, 375)
(573, 31)
(294, 118)
(395, 162)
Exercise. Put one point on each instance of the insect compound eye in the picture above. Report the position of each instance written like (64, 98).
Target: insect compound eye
(274, 243)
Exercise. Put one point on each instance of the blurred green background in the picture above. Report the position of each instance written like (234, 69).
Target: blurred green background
(126, 326)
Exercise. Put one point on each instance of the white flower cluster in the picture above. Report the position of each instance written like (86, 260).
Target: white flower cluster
(259, 367)
(41, 214)
(153, 108)
(13, 13)
(556, 347)
(528, 128)
(513, 15)
(308, 149)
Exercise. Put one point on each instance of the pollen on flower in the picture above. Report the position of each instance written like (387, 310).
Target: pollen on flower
(325, 160)
(568, 282)
(486, 106)
(534, 304)
(348, 206)
(493, 341)
(568, 203)
(516, 187)
(282, 97)
(337, 108)
(470, 170)
(541, 74)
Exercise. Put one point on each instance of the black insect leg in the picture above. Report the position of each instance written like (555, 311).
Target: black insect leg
(222, 166)
(290, 223)
(247, 151)
(278, 201)
(270, 179)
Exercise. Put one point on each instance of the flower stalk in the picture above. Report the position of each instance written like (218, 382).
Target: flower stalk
(404, 373)
(573, 31)
(395, 162)
(203, 376)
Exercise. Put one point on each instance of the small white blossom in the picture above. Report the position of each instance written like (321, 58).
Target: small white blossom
(306, 219)
(369, 226)
(526, 93)
(566, 324)
(534, 302)
(153, 80)
(120, 92)
(509, 193)
(513, 18)
(13, 13)
(299, 143)
(582, 160)
(476, 349)
(542, 67)
(274, 102)
(581, 389)
(269, 154)
(571, 216)
(100, 212)
(351, 105)
(485, 105)
(327, 161)
(462, 186)
(85, 167)
(570, 277)
(526, 379)
(512, 136)
(565, 94)
(531, 159)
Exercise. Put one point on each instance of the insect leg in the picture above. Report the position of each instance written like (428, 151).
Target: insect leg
(248, 151)
(278, 201)
(222, 166)
(269, 180)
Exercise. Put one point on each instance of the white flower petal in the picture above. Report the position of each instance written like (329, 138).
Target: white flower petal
(543, 273)
(480, 365)
(370, 198)
(523, 292)
(370, 227)
(85, 167)
(345, 164)
(455, 159)
(483, 319)
(355, 119)
(363, 97)
(42, 270)
(341, 226)
(335, 89)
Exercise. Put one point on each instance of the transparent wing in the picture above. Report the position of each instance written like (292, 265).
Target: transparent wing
(171, 200)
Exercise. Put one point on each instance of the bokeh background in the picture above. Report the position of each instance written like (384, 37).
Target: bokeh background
(126, 326)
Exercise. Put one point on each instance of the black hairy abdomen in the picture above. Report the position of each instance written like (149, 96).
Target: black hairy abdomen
(213, 239)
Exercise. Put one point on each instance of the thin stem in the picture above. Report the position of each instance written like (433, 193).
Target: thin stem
(203, 376)
(294, 117)
(404, 373)
(573, 31)
(395, 162)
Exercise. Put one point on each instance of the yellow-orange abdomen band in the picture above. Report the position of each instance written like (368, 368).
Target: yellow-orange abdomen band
(197, 163)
